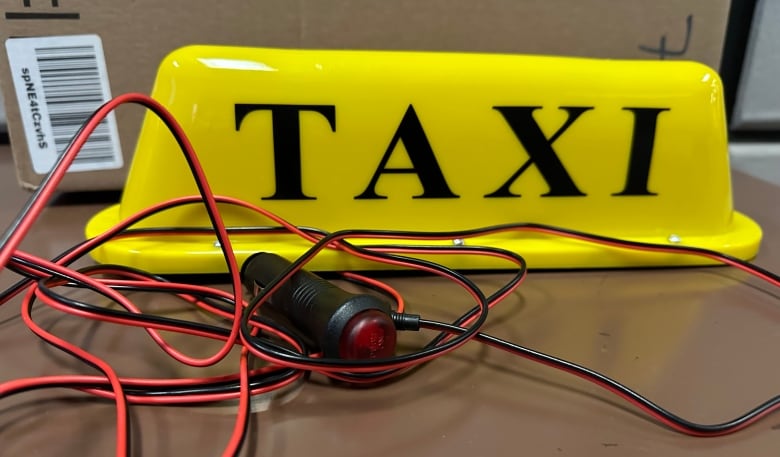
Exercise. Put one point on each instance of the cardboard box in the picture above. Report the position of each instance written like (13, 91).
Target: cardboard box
(136, 35)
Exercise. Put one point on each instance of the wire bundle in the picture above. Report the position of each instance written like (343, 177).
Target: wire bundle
(287, 357)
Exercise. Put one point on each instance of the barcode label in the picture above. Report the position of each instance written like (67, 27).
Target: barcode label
(60, 81)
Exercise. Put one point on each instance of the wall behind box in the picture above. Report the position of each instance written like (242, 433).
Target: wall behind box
(137, 35)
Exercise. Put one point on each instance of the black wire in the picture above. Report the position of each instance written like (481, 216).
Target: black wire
(605, 381)
(130, 316)
(519, 350)
(535, 355)
(519, 275)
(135, 389)
(559, 363)
(123, 228)
(452, 234)
(272, 348)
(22, 284)
(627, 244)
(216, 301)
(146, 318)
(213, 299)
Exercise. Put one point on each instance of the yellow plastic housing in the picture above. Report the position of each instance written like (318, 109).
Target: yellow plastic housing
(436, 141)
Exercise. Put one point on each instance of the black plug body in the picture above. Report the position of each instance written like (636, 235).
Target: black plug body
(344, 325)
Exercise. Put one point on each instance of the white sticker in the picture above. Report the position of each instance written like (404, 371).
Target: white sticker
(60, 81)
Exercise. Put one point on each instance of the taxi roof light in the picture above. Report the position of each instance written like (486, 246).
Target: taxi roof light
(437, 142)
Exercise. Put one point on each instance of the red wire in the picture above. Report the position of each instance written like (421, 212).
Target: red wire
(126, 304)
(28, 218)
(236, 438)
(660, 418)
(190, 293)
(140, 282)
(122, 444)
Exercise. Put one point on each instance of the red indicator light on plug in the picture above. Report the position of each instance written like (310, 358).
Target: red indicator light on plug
(369, 334)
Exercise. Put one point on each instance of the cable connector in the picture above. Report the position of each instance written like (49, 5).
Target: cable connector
(404, 321)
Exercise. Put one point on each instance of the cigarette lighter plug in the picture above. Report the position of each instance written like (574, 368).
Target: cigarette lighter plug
(344, 325)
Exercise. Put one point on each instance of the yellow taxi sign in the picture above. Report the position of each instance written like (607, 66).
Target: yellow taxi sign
(435, 142)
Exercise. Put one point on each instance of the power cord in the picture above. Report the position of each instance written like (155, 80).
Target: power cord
(292, 343)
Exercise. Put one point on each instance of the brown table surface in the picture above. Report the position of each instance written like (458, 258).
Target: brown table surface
(699, 341)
